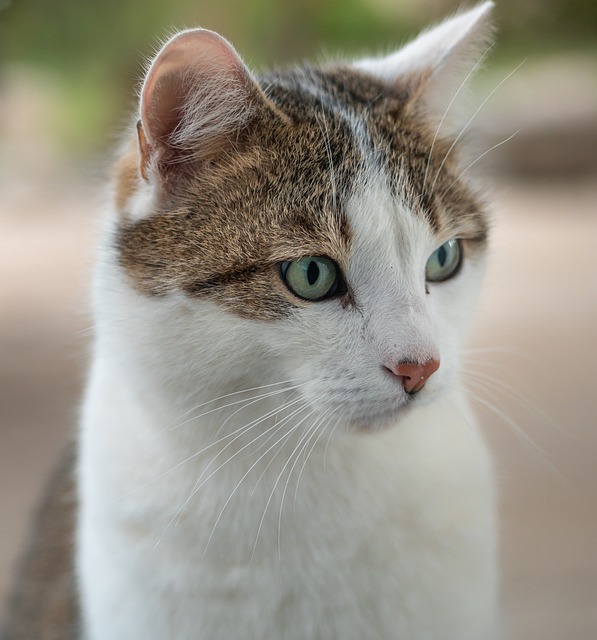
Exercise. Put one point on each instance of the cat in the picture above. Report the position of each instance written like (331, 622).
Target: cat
(275, 442)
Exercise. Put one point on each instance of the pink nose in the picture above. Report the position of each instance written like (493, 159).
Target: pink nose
(413, 376)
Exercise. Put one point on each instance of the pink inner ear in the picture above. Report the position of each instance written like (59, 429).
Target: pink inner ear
(188, 62)
(162, 110)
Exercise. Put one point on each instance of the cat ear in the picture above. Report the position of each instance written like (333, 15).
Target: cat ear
(197, 97)
(433, 69)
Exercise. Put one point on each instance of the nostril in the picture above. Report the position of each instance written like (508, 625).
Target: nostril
(413, 375)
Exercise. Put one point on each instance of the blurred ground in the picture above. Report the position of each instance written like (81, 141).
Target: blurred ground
(534, 348)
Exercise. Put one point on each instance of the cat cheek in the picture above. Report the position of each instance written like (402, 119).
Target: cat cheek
(245, 302)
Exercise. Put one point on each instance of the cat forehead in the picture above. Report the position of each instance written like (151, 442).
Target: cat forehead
(371, 138)
(375, 133)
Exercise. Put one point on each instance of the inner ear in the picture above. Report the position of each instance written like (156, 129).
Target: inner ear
(197, 96)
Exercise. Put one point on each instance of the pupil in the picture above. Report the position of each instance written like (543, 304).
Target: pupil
(312, 272)
(441, 256)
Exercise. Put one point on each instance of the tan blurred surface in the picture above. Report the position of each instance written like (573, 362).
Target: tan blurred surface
(539, 310)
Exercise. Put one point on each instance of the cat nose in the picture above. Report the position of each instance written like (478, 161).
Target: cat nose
(412, 375)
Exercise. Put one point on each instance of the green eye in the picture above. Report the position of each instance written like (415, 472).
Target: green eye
(444, 262)
(312, 278)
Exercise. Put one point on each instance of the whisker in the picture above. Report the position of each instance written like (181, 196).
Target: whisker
(198, 485)
(468, 426)
(326, 417)
(455, 141)
(516, 429)
(315, 427)
(234, 393)
(281, 439)
(441, 122)
(251, 425)
(507, 391)
(271, 461)
(274, 489)
(498, 384)
(530, 445)
(505, 349)
(253, 401)
(327, 444)
(88, 329)
(328, 148)
(238, 433)
(474, 162)
(286, 420)
(310, 432)
(232, 404)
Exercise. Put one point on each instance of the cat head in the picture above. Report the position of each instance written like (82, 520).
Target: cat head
(312, 225)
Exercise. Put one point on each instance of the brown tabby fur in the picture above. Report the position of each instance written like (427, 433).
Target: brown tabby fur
(43, 606)
(278, 193)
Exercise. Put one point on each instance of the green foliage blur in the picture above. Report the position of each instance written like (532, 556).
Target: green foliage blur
(95, 51)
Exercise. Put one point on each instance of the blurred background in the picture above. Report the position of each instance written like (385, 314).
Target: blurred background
(69, 71)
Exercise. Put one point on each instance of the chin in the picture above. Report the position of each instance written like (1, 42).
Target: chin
(380, 421)
(361, 421)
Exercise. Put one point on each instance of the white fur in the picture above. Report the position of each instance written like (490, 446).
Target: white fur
(393, 537)
(192, 529)
(430, 50)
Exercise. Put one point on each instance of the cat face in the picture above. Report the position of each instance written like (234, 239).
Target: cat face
(309, 226)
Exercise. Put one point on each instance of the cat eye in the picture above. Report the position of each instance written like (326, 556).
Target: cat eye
(444, 262)
(312, 278)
